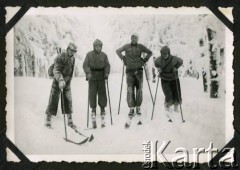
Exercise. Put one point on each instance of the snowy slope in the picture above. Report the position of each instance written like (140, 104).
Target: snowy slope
(204, 119)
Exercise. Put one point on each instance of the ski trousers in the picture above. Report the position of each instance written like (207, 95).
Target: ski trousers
(97, 88)
(172, 92)
(134, 81)
(54, 98)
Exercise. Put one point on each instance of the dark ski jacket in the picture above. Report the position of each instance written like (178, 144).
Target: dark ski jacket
(167, 66)
(133, 55)
(97, 65)
(63, 67)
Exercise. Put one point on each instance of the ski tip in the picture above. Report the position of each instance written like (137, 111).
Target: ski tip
(90, 138)
(80, 143)
(84, 141)
(65, 139)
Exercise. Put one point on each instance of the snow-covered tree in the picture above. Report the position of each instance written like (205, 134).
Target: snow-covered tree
(38, 40)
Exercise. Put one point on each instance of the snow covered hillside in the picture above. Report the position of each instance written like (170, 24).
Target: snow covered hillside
(204, 120)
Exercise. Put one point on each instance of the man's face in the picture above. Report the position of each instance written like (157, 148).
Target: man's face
(164, 54)
(98, 48)
(134, 39)
(71, 52)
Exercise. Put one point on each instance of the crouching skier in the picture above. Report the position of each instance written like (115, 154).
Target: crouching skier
(134, 71)
(97, 68)
(63, 72)
(167, 66)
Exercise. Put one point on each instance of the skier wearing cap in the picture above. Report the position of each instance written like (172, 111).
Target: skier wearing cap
(97, 68)
(134, 62)
(167, 66)
(63, 72)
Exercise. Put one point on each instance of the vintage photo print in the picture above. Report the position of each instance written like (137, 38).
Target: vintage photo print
(92, 84)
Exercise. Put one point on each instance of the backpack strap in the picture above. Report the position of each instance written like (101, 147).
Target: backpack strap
(167, 63)
(73, 67)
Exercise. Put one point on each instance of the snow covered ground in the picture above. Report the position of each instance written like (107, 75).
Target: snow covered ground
(204, 120)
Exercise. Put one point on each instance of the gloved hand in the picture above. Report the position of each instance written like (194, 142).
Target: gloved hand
(106, 76)
(174, 70)
(143, 61)
(62, 84)
(159, 70)
(124, 60)
(89, 77)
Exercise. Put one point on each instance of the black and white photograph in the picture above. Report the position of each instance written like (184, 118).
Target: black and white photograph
(102, 81)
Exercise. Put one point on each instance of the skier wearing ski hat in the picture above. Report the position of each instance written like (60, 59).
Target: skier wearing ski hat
(97, 68)
(134, 72)
(167, 66)
(63, 72)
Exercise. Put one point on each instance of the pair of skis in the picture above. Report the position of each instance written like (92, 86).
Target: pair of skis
(87, 138)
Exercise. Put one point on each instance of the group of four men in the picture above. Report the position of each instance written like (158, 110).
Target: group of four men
(97, 69)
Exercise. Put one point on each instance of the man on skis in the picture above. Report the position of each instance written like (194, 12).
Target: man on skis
(63, 72)
(167, 66)
(134, 73)
(97, 68)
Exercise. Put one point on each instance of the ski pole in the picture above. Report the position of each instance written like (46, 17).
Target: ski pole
(63, 111)
(148, 83)
(121, 90)
(179, 100)
(88, 107)
(155, 98)
(109, 102)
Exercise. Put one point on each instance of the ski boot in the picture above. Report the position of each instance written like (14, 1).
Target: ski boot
(154, 79)
(130, 116)
(138, 112)
(93, 115)
(48, 121)
(70, 122)
(167, 109)
(176, 108)
(154, 76)
(103, 113)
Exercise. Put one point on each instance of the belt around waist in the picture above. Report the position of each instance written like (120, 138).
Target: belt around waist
(97, 69)
(133, 70)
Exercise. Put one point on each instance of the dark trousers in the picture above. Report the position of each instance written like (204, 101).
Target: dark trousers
(54, 99)
(97, 88)
(172, 92)
(134, 81)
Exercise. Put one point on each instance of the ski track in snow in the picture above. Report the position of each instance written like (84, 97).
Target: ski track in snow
(204, 119)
